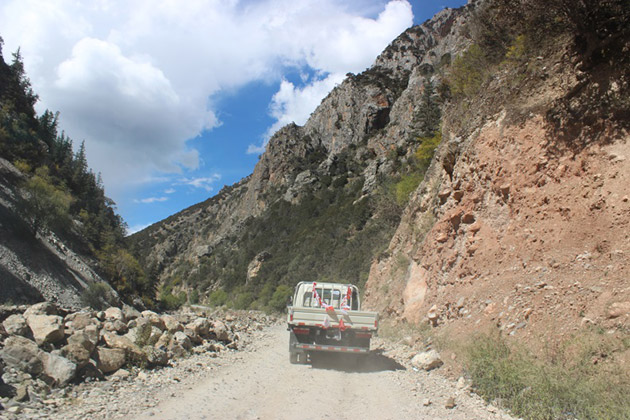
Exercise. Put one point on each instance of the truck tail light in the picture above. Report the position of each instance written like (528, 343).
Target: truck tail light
(291, 316)
(301, 330)
(376, 323)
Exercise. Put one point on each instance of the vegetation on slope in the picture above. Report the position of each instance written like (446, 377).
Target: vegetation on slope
(61, 194)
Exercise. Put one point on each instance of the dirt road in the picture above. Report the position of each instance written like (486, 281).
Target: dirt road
(264, 385)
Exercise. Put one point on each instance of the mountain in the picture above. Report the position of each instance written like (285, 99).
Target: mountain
(521, 221)
(321, 201)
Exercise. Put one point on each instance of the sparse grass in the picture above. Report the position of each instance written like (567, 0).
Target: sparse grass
(397, 331)
(578, 380)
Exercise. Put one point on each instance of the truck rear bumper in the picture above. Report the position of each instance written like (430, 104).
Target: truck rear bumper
(327, 347)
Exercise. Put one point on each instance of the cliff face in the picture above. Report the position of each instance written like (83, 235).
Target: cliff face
(341, 154)
(519, 224)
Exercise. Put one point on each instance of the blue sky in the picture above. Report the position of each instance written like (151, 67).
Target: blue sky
(174, 103)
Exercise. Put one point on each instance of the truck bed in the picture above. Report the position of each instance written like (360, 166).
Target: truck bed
(316, 317)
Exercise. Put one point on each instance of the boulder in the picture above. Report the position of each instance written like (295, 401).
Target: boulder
(83, 339)
(144, 333)
(221, 331)
(164, 340)
(16, 325)
(201, 327)
(171, 324)
(91, 371)
(154, 318)
(42, 308)
(182, 340)
(116, 326)
(133, 352)
(121, 374)
(616, 310)
(22, 354)
(194, 338)
(58, 368)
(77, 354)
(156, 356)
(113, 314)
(110, 360)
(427, 360)
(130, 312)
(80, 320)
(93, 334)
(46, 328)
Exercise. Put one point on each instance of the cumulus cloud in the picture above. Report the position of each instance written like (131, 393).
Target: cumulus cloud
(150, 200)
(201, 182)
(135, 79)
(295, 104)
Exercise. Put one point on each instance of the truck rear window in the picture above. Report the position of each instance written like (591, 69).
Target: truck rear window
(328, 296)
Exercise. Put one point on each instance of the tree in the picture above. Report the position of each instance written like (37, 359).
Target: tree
(429, 114)
(45, 205)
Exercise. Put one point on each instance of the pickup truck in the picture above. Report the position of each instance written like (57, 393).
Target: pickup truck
(327, 317)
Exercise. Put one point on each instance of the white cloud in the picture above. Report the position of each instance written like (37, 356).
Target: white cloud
(169, 191)
(294, 104)
(135, 78)
(150, 200)
(137, 228)
(201, 182)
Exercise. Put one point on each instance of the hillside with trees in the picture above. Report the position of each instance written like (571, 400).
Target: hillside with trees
(50, 193)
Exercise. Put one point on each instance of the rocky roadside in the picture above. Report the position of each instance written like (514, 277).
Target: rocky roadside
(423, 378)
(54, 361)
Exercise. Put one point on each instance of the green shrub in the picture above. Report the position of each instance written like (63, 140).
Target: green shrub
(407, 184)
(426, 150)
(218, 297)
(170, 302)
(97, 295)
(566, 386)
(468, 72)
(280, 298)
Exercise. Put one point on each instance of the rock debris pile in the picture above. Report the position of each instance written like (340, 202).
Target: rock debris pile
(45, 350)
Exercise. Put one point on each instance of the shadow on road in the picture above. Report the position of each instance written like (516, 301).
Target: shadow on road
(372, 362)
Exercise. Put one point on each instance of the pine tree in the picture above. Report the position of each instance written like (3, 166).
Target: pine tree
(429, 114)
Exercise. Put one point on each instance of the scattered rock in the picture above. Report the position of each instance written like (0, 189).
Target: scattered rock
(22, 354)
(58, 368)
(427, 360)
(171, 324)
(121, 374)
(77, 353)
(21, 393)
(450, 403)
(129, 312)
(16, 325)
(221, 331)
(46, 328)
(114, 314)
(110, 360)
(619, 309)
(42, 308)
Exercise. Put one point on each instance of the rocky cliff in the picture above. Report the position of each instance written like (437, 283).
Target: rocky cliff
(521, 222)
(310, 178)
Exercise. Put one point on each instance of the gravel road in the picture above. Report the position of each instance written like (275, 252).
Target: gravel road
(262, 384)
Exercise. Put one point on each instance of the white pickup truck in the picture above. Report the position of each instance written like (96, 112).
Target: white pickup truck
(327, 317)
